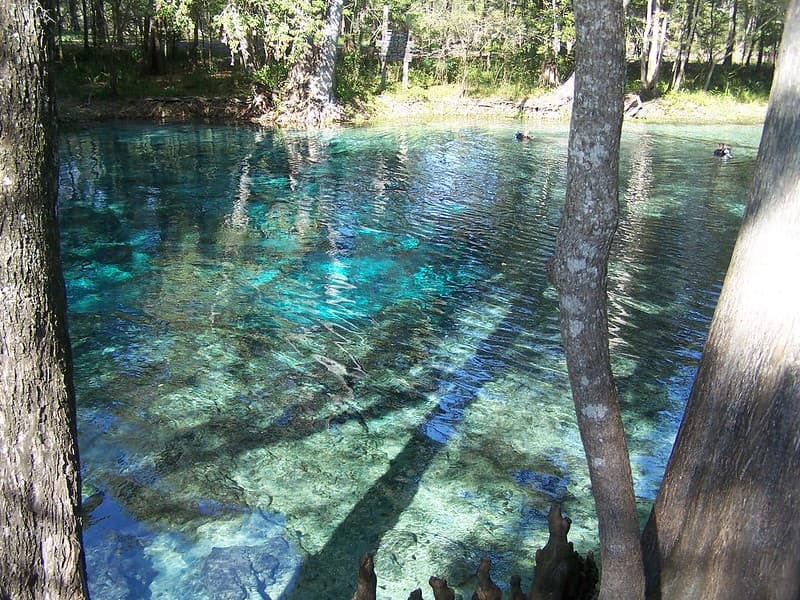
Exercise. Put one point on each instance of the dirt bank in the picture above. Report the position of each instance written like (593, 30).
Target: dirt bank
(680, 109)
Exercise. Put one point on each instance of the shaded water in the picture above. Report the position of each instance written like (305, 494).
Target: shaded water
(292, 348)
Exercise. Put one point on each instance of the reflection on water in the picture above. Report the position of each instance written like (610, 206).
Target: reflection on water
(291, 348)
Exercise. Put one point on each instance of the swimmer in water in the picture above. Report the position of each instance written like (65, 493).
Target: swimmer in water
(723, 150)
(523, 136)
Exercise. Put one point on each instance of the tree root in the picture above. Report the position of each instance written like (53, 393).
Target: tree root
(560, 573)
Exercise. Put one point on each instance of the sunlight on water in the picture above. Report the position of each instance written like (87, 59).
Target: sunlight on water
(294, 347)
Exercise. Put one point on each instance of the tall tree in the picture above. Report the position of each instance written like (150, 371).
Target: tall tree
(74, 22)
(99, 24)
(654, 38)
(688, 30)
(40, 543)
(311, 98)
(730, 42)
(579, 271)
(726, 522)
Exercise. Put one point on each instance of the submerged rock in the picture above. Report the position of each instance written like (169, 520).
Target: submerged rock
(126, 572)
(238, 573)
(553, 486)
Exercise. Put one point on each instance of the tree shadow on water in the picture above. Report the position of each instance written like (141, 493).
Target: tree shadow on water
(332, 572)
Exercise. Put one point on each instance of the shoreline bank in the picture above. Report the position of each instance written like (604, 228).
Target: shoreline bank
(234, 110)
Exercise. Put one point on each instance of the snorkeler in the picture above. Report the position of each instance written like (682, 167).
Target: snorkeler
(723, 150)
(523, 136)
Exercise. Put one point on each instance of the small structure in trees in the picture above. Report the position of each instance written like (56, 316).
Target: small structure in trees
(395, 46)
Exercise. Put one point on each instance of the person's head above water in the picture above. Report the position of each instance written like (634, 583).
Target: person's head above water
(723, 149)
(523, 135)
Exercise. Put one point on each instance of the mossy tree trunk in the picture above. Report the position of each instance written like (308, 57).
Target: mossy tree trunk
(40, 542)
(579, 271)
(726, 522)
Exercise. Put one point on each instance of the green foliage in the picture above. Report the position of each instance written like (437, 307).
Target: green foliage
(698, 105)
(481, 46)
(260, 32)
(270, 77)
(463, 28)
(358, 78)
(748, 84)
(86, 75)
(509, 89)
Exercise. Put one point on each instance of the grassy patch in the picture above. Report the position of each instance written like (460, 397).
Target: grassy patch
(712, 106)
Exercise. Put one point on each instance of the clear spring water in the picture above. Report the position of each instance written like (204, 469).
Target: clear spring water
(294, 347)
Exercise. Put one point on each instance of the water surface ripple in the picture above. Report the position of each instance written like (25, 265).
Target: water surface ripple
(294, 347)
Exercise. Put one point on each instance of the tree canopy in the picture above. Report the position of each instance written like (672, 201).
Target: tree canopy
(497, 43)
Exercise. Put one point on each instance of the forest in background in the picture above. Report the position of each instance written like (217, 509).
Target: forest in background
(510, 48)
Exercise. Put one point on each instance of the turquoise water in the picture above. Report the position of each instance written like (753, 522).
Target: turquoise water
(294, 347)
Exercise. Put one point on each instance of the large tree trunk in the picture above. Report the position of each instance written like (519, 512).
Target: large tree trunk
(726, 523)
(311, 99)
(579, 271)
(40, 541)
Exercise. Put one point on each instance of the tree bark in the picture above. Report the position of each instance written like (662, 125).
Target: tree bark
(653, 39)
(560, 571)
(730, 42)
(311, 99)
(726, 522)
(687, 39)
(99, 24)
(74, 22)
(85, 13)
(579, 271)
(154, 60)
(40, 543)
